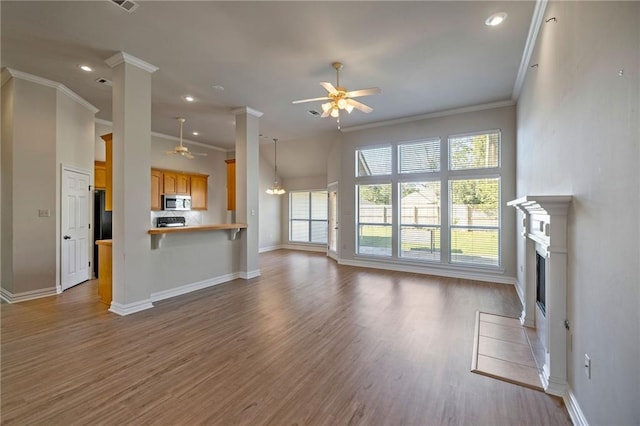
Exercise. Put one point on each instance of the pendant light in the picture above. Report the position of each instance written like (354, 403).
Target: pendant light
(275, 189)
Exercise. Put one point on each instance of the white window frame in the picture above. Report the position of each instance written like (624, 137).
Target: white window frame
(310, 220)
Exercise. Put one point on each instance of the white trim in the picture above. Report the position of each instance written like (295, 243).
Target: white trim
(171, 138)
(248, 275)
(9, 297)
(130, 308)
(270, 248)
(247, 110)
(575, 412)
(123, 57)
(187, 141)
(188, 288)
(10, 72)
(473, 108)
(530, 44)
(431, 270)
(322, 248)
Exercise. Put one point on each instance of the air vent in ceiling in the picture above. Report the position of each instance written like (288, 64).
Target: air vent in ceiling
(104, 81)
(313, 112)
(127, 5)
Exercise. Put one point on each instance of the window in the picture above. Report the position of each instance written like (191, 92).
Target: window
(375, 213)
(373, 161)
(400, 190)
(308, 216)
(475, 221)
(477, 151)
(419, 157)
(420, 220)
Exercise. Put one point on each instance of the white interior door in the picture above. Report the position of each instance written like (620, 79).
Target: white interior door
(333, 221)
(75, 228)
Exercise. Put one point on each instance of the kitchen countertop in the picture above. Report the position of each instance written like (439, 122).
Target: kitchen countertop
(196, 228)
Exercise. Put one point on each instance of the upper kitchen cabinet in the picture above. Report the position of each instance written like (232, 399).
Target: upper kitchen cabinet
(231, 184)
(176, 183)
(199, 192)
(156, 189)
(99, 174)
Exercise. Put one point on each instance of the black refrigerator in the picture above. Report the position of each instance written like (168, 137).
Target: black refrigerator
(101, 225)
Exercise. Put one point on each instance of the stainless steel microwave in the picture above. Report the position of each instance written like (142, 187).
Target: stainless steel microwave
(176, 202)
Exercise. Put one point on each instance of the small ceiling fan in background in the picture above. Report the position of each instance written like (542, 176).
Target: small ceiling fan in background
(341, 99)
(181, 149)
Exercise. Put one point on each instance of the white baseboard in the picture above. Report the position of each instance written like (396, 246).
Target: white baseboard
(431, 270)
(575, 412)
(304, 247)
(519, 292)
(248, 275)
(270, 248)
(130, 308)
(9, 297)
(188, 288)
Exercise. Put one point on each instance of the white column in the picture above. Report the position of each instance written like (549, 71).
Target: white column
(247, 179)
(132, 285)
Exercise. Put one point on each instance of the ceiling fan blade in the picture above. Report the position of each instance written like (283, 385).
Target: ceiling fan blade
(363, 92)
(170, 152)
(359, 105)
(326, 113)
(201, 154)
(329, 88)
(310, 100)
(188, 155)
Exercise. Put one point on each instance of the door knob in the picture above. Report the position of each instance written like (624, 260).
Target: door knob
(67, 237)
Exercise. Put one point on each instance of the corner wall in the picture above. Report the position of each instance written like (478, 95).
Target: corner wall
(579, 134)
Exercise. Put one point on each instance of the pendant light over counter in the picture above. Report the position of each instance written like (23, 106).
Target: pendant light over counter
(275, 189)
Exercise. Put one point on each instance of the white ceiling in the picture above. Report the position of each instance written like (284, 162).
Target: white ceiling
(425, 56)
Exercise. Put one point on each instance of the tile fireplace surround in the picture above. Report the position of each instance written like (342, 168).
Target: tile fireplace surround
(544, 228)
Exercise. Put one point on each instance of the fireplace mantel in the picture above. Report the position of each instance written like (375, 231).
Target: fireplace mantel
(544, 224)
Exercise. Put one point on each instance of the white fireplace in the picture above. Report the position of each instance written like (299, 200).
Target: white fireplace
(544, 229)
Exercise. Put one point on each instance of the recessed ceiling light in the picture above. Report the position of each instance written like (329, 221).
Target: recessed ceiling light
(86, 68)
(217, 87)
(189, 98)
(195, 133)
(496, 19)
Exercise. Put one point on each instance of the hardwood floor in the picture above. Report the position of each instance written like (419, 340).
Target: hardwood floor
(308, 342)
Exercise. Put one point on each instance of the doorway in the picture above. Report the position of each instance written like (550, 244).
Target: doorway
(75, 230)
(332, 247)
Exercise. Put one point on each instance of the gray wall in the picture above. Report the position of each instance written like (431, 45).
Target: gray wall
(488, 119)
(579, 134)
(42, 129)
(270, 208)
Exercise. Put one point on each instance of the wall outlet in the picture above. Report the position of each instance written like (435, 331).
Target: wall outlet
(587, 366)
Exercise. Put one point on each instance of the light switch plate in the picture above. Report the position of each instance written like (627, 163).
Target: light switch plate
(44, 213)
(587, 366)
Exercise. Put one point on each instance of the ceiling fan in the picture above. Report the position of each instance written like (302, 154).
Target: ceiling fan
(341, 99)
(181, 149)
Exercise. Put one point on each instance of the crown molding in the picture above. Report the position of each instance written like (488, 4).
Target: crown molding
(8, 73)
(247, 110)
(123, 57)
(168, 137)
(492, 105)
(530, 44)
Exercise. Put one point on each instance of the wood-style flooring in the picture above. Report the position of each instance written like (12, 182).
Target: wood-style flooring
(308, 342)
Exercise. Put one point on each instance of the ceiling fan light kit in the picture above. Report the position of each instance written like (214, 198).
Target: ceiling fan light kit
(340, 99)
(181, 149)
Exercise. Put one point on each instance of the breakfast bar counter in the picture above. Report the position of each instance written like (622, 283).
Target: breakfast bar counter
(196, 228)
(158, 234)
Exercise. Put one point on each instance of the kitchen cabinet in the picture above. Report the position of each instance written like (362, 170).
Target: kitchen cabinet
(198, 192)
(231, 184)
(105, 271)
(174, 182)
(108, 171)
(156, 189)
(99, 175)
